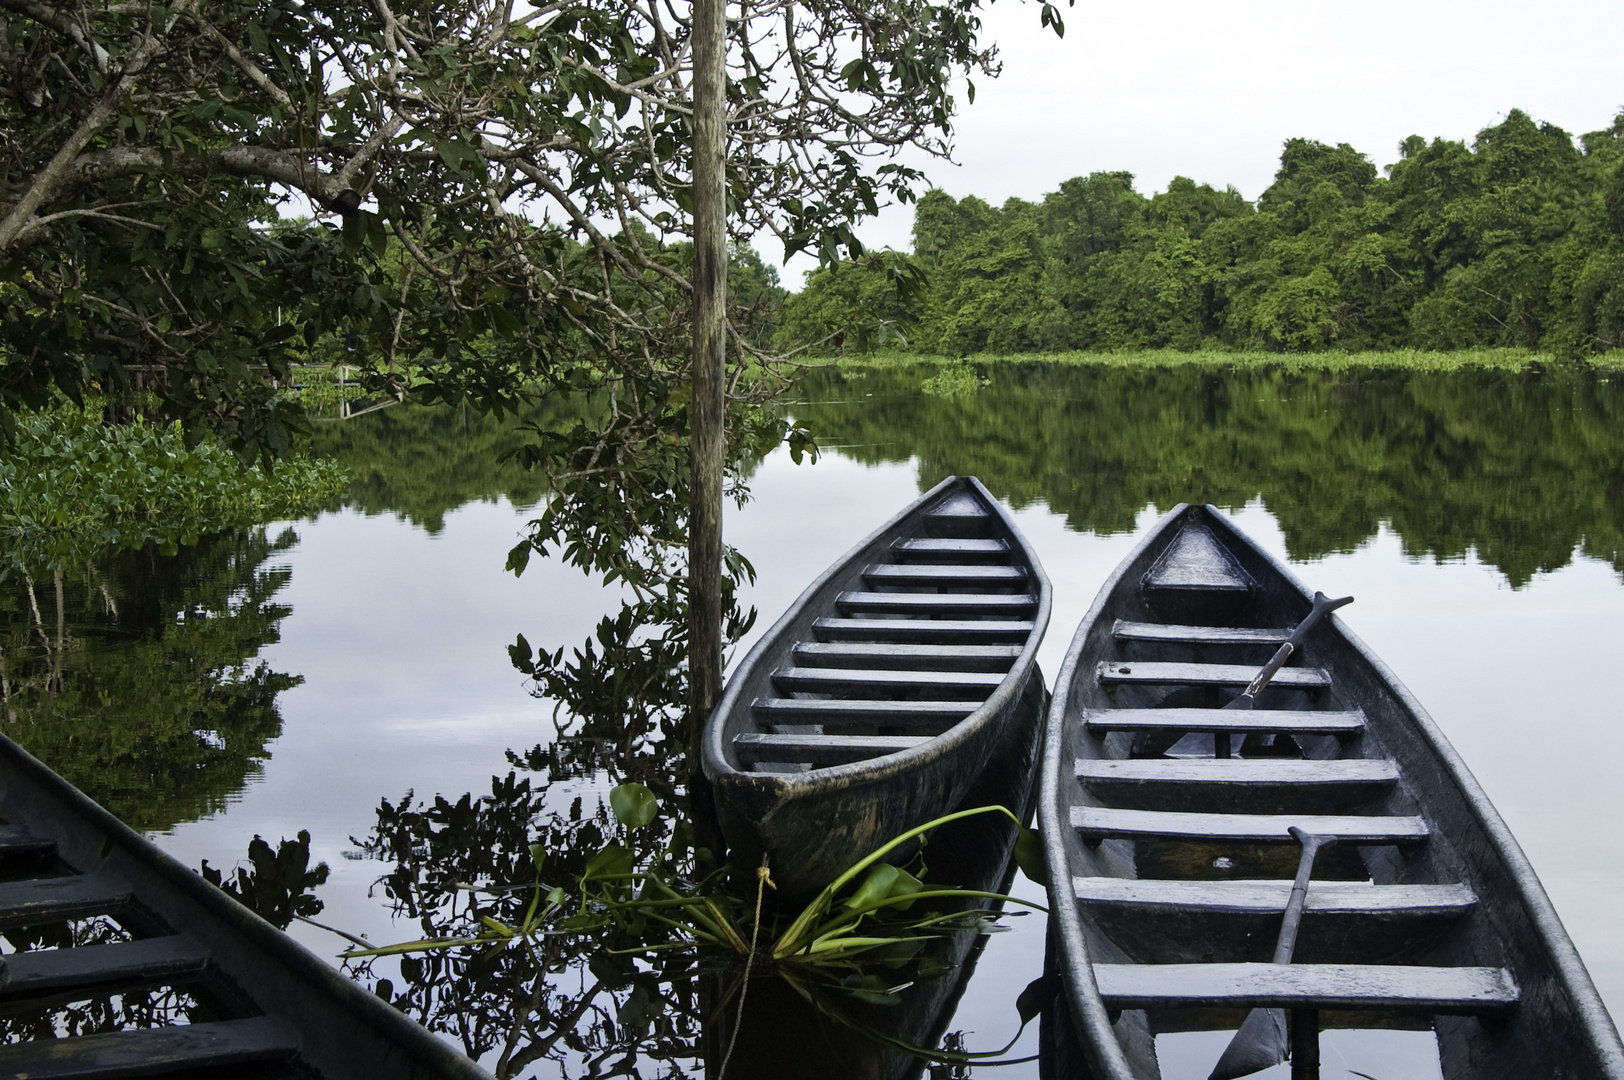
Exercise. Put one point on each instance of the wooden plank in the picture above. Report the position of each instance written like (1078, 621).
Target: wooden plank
(1231, 721)
(836, 715)
(1269, 897)
(17, 840)
(148, 961)
(151, 1051)
(943, 575)
(1196, 560)
(1161, 673)
(878, 603)
(820, 750)
(923, 630)
(912, 657)
(960, 505)
(1450, 990)
(949, 549)
(38, 900)
(1102, 821)
(1223, 771)
(1174, 634)
(868, 683)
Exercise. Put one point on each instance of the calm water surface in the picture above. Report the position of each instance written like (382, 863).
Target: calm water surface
(1478, 518)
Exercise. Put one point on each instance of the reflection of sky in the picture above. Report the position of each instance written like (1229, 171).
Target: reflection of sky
(402, 637)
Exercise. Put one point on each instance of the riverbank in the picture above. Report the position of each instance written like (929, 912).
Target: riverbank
(1327, 360)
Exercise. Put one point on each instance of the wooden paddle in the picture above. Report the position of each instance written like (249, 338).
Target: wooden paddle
(1261, 1041)
(1247, 699)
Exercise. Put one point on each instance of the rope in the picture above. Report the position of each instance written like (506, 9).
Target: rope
(763, 879)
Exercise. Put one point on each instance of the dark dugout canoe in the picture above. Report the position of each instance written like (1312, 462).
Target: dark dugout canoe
(101, 918)
(875, 702)
(1172, 863)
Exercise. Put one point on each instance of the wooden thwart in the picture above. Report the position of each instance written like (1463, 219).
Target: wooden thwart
(56, 899)
(914, 657)
(1447, 990)
(1102, 822)
(1162, 673)
(1222, 721)
(968, 631)
(936, 603)
(152, 1051)
(148, 961)
(833, 714)
(820, 750)
(857, 681)
(945, 575)
(1325, 898)
(1169, 633)
(1220, 771)
(933, 549)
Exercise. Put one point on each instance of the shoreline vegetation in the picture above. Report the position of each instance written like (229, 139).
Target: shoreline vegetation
(1480, 359)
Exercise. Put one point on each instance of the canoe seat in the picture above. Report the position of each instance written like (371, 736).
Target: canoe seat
(1196, 561)
(819, 751)
(858, 682)
(1269, 897)
(962, 631)
(1182, 920)
(1161, 673)
(146, 962)
(944, 576)
(935, 604)
(1197, 635)
(1100, 822)
(948, 549)
(1447, 990)
(1230, 721)
(959, 516)
(879, 654)
(858, 717)
(17, 840)
(58, 899)
(185, 1048)
(1251, 785)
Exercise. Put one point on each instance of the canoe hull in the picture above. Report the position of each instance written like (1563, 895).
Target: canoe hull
(1558, 1026)
(812, 825)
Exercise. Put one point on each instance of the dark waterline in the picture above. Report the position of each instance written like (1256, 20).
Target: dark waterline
(1478, 516)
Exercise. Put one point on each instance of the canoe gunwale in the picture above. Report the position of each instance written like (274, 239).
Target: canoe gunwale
(719, 759)
(1518, 881)
(367, 1037)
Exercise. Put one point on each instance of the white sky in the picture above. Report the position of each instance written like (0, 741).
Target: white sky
(1211, 90)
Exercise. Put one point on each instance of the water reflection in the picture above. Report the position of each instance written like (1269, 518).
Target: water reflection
(138, 677)
(1524, 468)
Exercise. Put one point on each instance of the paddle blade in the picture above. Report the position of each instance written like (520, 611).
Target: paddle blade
(1258, 1045)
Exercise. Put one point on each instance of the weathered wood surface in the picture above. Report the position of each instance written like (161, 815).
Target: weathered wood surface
(55, 899)
(146, 962)
(1171, 633)
(1103, 821)
(152, 1051)
(1233, 722)
(1152, 673)
(969, 631)
(1429, 910)
(927, 628)
(1448, 990)
(908, 657)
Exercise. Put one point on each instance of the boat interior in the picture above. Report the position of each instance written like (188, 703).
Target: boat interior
(898, 645)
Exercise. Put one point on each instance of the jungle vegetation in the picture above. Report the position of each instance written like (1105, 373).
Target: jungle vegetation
(1516, 240)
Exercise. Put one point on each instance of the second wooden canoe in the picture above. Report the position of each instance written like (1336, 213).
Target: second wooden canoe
(874, 703)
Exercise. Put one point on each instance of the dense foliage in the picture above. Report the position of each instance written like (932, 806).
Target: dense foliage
(1517, 240)
(71, 485)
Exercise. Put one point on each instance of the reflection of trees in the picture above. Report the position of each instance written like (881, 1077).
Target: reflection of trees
(136, 677)
(1522, 467)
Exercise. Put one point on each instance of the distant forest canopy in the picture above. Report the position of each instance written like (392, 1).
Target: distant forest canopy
(1516, 240)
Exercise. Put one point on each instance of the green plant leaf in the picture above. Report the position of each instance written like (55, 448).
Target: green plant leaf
(634, 805)
(1030, 856)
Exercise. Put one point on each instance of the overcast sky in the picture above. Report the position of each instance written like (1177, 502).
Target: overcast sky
(1210, 90)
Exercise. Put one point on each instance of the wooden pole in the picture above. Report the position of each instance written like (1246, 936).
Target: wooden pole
(706, 413)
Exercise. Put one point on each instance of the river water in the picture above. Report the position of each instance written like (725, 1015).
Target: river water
(267, 684)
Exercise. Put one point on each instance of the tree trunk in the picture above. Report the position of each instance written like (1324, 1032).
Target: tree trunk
(706, 413)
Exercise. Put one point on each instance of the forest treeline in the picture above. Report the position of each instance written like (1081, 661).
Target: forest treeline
(1515, 240)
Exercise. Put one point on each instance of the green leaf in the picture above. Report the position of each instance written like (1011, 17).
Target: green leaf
(1030, 856)
(538, 856)
(612, 860)
(1038, 993)
(633, 805)
(884, 882)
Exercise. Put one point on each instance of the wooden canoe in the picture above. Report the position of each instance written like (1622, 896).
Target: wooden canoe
(875, 702)
(234, 996)
(1169, 874)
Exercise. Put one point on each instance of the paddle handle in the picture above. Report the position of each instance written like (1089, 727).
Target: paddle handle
(1323, 606)
(1313, 844)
